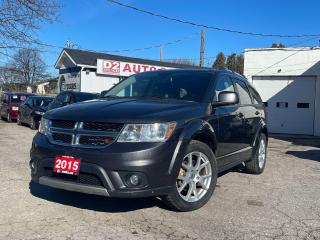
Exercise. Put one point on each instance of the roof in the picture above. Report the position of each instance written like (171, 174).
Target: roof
(283, 49)
(89, 58)
(35, 96)
(18, 93)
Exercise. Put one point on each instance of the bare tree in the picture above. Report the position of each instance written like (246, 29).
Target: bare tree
(30, 64)
(184, 61)
(19, 20)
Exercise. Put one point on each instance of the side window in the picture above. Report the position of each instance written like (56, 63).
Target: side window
(4, 97)
(63, 97)
(67, 98)
(60, 97)
(243, 91)
(224, 84)
(255, 95)
(29, 102)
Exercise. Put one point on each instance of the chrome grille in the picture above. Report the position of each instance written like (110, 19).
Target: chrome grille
(83, 134)
(62, 138)
(108, 127)
(63, 124)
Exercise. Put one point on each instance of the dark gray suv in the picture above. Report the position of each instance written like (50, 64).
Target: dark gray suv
(164, 133)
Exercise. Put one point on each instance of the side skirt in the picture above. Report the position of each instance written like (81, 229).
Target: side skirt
(234, 159)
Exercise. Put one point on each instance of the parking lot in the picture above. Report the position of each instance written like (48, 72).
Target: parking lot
(282, 203)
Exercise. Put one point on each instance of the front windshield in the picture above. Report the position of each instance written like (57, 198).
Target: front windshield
(187, 85)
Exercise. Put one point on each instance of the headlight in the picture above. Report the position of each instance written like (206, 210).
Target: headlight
(155, 132)
(38, 112)
(44, 126)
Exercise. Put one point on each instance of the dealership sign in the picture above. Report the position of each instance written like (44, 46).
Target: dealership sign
(117, 68)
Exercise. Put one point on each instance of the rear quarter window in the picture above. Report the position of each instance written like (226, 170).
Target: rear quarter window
(255, 96)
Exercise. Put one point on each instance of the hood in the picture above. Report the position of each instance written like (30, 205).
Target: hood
(127, 110)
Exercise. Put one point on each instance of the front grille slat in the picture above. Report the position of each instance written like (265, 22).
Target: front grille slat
(84, 178)
(63, 124)
(106, 127)
(62, 138)
(84, 134)
(95, 140)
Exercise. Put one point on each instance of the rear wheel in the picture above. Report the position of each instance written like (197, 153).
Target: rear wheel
(258, 162)
(9, 117)
(196, 179)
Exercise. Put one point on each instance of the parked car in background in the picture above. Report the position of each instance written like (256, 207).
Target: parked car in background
(69, 97)
(165, 133)
(31, 110)
(10, 103)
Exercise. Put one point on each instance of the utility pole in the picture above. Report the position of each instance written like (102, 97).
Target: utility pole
(202, 48)
(161, 54)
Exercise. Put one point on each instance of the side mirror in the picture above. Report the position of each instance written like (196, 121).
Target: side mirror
(227, 98)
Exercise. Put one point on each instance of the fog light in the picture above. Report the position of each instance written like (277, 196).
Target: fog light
(134, 180)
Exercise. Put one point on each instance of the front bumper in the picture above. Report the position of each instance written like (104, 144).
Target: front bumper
(104, 171)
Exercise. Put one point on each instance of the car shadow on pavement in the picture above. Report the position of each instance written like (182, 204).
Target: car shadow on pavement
(313, 155)
(93, 202)
(301, 140)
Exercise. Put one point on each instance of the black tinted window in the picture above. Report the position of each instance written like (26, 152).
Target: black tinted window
(84, 97)
(18, 98)
(63, 97)
(224, 84)
(190, 86)
(41, 102)
(255, 95)
(243, 91)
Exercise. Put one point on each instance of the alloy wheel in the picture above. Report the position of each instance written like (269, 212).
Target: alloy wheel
(262, 153)
(194, 177)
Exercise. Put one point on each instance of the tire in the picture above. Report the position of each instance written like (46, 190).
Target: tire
(33, 124)
(202, 186)
(9, 117)
(19, 120)
(254, 166)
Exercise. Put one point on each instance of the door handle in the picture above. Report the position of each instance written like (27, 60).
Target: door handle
(257, 113)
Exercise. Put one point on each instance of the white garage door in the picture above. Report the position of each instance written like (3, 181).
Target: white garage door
(290, 102)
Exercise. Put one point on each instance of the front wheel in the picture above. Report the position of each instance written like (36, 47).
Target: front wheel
(196, 179)
(33, 125)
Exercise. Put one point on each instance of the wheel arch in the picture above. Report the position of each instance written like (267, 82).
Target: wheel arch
(199, 130)
(262, 128)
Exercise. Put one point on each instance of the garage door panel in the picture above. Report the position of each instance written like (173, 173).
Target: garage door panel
(290, 103)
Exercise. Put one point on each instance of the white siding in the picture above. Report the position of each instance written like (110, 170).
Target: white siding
(95, 83)
(273, 72)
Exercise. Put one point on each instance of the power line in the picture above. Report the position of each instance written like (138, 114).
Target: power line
(276, 63)
(154, 46)
(304, 41)
(208, 26)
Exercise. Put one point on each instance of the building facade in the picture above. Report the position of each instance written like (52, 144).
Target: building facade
(94, 72)
(288, 80)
